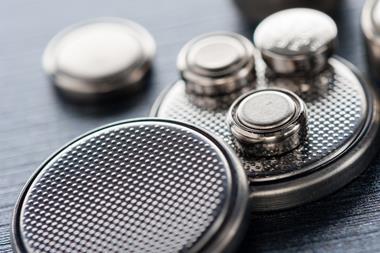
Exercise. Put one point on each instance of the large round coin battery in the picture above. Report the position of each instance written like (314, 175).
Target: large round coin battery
(303, 137)
(144, 185)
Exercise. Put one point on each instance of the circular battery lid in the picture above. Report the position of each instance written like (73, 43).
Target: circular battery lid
(99, 56)
(266, 110)
(145, 185)
(295, 41)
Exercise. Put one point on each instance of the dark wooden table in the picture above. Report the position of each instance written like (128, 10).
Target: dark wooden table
(34, 121)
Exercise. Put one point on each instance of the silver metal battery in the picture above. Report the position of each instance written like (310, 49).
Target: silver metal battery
(296, 41)
(144, 185)
(342, 132)
(99, 57)
(342, 125)
(255, 10)
(370, 23)
(217, 68)
(268, 122)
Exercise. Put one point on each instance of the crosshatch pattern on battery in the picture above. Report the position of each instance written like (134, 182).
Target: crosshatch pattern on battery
(336, 112)
(148, 188)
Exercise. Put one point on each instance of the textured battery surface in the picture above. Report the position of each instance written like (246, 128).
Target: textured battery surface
(128, 188)
(337, 108)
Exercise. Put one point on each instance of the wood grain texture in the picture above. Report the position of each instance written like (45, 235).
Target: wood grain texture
(34, 121)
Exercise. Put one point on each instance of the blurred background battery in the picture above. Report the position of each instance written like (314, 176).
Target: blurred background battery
(255, 10)
(370, 24)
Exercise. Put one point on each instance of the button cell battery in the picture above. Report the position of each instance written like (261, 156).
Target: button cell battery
(100, 57)
(217, 68)
(296, 41)
(268, 122)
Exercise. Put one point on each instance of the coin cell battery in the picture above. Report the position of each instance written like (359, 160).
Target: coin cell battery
(370, 23)
(216, 68)
(100, 57)
(268, 122)
(329, 106)
(144, 185)
(296, 41)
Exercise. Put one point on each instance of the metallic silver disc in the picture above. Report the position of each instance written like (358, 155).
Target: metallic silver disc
(342, 119)
(296, 41)
(268, 122)
(265, 110)
(144, 185)
(99, 57)
(370, 23)
(217, 64)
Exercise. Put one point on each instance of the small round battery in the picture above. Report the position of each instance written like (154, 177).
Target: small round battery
(100, 57)
(255, 10)
(217, 68)
(268, 122)
(370, 24)
(296, 41)
(143, 185)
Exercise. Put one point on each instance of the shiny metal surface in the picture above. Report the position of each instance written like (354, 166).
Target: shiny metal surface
(220, 101)
(217, 65)
(268, 122)
(265, 109)
(144, 185)
(340, 112)
(346, 222)
(99, 57)
(296, 41)
(370, 24)
(255, 10)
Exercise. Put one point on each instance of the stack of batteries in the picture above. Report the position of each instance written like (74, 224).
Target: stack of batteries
(298, 128)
